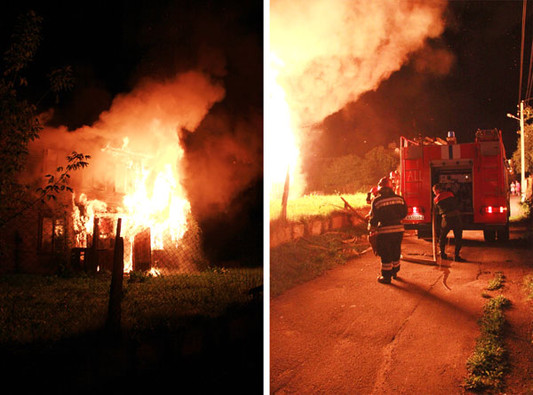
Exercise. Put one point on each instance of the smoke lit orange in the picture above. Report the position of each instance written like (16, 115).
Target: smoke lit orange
(324, 55)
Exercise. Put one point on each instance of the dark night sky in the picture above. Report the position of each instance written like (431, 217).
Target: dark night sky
(477, 92)
(114, 44)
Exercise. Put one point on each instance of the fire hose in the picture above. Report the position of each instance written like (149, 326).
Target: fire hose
(372, 237)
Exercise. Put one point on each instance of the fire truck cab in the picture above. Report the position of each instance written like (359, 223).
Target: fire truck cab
(477, 173)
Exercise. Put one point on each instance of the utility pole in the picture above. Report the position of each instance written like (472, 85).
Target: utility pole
(285, 197)
(522, 154)
(522, 151)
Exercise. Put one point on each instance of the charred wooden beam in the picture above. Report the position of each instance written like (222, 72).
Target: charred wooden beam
(92, 252)
(142, 251)
(115, 294)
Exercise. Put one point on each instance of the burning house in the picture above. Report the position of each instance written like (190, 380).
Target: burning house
(134, 174)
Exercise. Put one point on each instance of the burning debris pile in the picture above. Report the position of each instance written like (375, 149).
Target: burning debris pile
(136, 174)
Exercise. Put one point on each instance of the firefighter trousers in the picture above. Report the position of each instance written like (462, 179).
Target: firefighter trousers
(456, 225)
(389, 248)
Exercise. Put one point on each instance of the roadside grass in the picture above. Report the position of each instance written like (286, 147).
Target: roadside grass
(489, 362)
(528, 283)
(528, 286)
(309, 257)
(315, 205)
(51, 308)
(496, 282)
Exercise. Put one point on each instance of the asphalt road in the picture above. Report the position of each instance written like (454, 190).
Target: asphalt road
(344, 333)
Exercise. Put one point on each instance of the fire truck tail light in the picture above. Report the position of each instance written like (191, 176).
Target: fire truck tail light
(415, 213)
(415, 210)
(494, 209)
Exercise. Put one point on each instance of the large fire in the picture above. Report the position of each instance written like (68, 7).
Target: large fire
(135, 172)
(153, 200)
(285, 157)
(324, 55)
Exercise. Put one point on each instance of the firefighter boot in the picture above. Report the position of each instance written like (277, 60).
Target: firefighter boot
(385, 277)
(457, 257)
(395, 269)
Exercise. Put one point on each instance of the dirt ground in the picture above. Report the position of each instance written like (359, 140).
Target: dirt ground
(344, 333)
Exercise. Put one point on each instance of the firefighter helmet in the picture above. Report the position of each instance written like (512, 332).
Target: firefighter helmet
(384, 182)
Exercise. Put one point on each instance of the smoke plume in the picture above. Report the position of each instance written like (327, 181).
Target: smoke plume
(146, 121)
(328, 54)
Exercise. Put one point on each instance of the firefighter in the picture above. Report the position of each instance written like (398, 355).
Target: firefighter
(388, 209)
(395, 180)
(448, 208)
(371, 195)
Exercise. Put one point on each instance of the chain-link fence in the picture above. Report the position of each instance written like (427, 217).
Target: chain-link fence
(144, 250)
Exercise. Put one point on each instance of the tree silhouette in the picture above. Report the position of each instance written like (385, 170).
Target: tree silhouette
(19, 121)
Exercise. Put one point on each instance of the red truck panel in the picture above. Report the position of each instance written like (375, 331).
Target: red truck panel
(482, 160)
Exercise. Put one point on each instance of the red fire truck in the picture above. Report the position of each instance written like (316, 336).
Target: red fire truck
(476, 172)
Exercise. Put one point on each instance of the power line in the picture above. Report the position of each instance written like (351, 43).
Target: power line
(530, 75)
(529, 79)
(522, 49)
(529, 86)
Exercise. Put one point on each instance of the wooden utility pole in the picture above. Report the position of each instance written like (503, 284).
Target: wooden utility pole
(285, 197)
(522, 154)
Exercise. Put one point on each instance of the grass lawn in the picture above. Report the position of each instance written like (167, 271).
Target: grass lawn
(307, 258)
(37, 308)
(315, 205)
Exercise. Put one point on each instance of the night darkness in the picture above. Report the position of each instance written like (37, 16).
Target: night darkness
(470, 81)
(114, 45)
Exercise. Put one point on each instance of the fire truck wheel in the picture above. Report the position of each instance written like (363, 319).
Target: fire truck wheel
(503, 234)
(489, 235)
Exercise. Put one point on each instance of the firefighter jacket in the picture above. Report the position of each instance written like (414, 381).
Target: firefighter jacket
(387, 212)
(447, 204)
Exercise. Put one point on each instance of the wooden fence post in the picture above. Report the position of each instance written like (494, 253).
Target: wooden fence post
(115, 293)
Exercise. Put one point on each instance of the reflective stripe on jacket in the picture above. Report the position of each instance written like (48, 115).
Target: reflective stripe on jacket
(387, 212)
